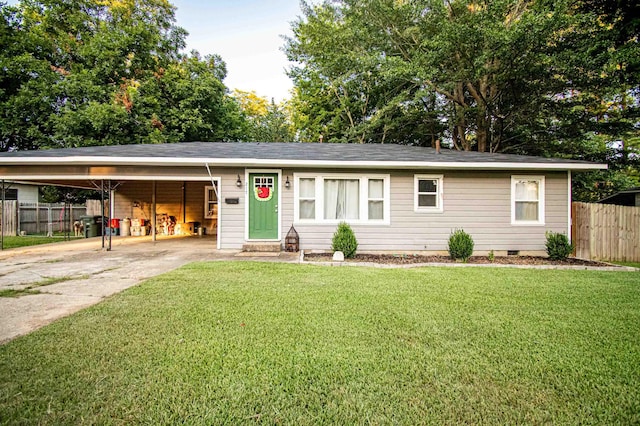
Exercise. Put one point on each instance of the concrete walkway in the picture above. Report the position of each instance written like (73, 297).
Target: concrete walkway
(73, 275)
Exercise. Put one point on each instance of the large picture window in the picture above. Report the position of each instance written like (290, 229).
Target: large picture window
(428, 193)
(336, 198)
(341, 199)
(527, 200)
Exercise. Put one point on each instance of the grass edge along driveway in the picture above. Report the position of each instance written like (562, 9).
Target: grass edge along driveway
(246, 342)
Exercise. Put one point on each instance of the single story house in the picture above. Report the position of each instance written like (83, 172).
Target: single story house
(396, 198)
(21, 192)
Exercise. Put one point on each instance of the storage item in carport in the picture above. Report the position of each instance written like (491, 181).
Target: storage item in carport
(115, 226)
(166, 224)
(187, 228)
(138, 227)
(125, 227)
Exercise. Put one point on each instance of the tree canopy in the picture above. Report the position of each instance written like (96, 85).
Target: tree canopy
(540, 77)
(101, 72)
(265, 121)
(551, 78)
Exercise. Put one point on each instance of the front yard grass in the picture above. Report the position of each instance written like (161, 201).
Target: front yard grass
(632, 264)
(243, 342)
(10, 242)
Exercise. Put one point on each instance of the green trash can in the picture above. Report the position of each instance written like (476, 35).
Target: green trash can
(92, 226)
(86, 225)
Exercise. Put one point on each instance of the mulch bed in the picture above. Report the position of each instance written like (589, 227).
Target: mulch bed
(406, 259)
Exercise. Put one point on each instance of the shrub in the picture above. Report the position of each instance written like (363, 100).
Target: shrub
(460, 245)
(558, 246)
(344, 240)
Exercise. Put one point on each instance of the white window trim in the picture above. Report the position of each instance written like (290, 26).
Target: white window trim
(363, 180)
(298, 199)
(541, 198)
(206, 203)
(439, 208)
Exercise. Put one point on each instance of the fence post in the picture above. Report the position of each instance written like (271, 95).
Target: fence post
(38, 217)
(49, 222)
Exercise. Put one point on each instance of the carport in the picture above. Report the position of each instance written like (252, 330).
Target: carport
(155, 198)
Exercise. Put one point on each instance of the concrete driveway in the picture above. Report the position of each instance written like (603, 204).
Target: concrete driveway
(72, 275)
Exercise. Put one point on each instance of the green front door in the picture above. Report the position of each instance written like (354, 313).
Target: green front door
(263, 206)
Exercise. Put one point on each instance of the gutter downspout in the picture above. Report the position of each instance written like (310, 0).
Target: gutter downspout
(102, 211)
(3, 221)
(213, 182)
(110, 215)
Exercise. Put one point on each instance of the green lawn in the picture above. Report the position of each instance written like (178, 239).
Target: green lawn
(32, 240)
(242, 342)
(632, 264)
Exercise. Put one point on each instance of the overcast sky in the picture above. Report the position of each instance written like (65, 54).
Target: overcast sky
(247, 34)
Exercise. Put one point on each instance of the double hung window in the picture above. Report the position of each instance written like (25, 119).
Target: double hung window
(527, 200)
(428, 193)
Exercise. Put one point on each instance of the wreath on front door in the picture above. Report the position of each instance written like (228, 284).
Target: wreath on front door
(263, 193)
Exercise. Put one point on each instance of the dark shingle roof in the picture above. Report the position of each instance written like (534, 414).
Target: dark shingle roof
(626, 197)
(339, 154)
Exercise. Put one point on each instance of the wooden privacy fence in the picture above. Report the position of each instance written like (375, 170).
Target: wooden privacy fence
(606, 232)
(9, 211)
(39, 218)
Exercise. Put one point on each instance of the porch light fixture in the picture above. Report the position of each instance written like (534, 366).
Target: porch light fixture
(287, 184)
(238, 182)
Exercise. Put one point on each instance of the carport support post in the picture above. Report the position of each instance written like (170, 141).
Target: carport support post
(153, 209)
(2, 220)
(110, 215)
(102, 208)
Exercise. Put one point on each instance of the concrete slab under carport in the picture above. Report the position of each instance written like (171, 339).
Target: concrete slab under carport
(87, 274)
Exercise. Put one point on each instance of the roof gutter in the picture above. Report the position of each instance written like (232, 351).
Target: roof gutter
(257, 162)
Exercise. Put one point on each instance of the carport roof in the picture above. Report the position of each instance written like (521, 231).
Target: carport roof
(271, 154)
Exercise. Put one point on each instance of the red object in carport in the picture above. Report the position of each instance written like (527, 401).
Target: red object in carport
(115, 223)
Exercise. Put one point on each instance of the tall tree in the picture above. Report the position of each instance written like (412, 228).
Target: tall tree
(597, 116)
(552, 78)
(265, 121)
(470, 72)
(26, 82)
(99, 72)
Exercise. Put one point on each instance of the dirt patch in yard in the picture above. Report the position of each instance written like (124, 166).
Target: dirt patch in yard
(407, 259)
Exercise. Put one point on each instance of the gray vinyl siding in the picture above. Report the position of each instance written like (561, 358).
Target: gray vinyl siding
(127, 194)
(287, 198)
(478, 202)
(231, 216)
